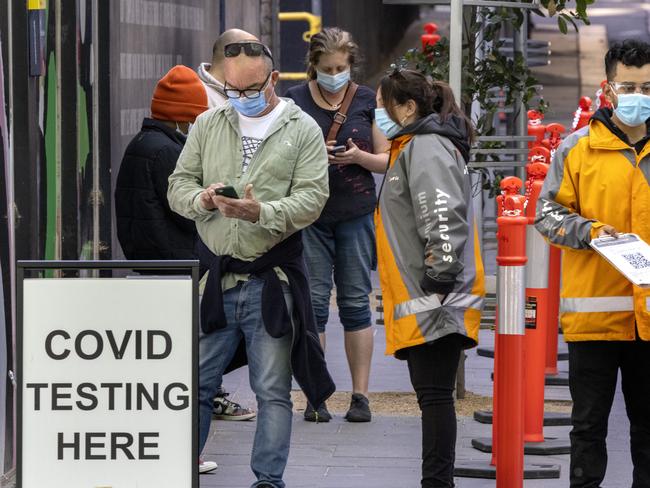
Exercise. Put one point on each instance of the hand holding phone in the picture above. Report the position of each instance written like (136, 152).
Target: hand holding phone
(226, 191)
(338, 149)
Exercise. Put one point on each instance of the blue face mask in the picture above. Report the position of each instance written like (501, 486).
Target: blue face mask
(250, 107)
(633, 109)
(333, 83)
(385, 123)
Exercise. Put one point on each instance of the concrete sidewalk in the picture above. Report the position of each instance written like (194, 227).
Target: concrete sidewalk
(386, 452)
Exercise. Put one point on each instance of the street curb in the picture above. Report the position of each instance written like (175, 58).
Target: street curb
(592, 47)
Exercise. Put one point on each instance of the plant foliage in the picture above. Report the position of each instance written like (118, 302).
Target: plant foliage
(493, 75)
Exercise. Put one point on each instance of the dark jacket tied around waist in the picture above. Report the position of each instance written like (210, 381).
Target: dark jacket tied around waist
(307, 358)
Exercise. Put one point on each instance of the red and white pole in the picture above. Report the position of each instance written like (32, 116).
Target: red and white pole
(554, 271)
(508, 421)
(537, 250)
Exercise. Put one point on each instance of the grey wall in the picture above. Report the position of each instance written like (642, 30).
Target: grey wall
(147, 38)
(376, 27)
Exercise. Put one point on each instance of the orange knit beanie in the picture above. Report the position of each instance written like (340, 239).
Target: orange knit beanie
(179, 96)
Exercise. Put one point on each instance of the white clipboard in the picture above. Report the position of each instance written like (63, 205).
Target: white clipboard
(629, 254)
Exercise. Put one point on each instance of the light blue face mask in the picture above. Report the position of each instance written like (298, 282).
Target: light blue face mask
(633, 109)
(250, 107)
(333, 83)
(385, 123)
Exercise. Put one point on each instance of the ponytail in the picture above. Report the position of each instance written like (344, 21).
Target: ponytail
(444, 104)
(429, 96)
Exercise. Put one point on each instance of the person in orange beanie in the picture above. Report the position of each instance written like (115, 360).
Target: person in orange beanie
(146, 227)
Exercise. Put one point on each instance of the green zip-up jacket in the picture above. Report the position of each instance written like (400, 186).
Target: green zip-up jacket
(288, 173)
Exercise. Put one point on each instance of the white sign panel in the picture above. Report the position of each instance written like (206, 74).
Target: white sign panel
(107, 383)
(628, 254)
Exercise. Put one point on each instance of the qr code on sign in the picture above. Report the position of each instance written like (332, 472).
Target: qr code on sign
(637, 260)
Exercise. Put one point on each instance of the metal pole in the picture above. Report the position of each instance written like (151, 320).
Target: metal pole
(456, 48)
(58, 50)
(96, 192)
(521, 122)
(11, 214)
(275, 33)
(317, 7)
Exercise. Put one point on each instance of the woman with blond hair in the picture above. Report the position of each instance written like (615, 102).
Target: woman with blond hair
(340, 246)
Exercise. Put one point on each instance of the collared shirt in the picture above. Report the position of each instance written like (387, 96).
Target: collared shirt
(288, 173)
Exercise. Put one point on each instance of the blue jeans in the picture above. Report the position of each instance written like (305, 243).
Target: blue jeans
(347, 250)
(269, 373)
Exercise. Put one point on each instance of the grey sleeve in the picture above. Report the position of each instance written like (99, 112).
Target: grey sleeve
(558, 216)
(438, 181)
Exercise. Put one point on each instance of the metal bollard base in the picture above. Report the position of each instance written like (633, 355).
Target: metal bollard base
(559, 379)
(550, 447)
(484, 470)
(551, 419)
(488, 352)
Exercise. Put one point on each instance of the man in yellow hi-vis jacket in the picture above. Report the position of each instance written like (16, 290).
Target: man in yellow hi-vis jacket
(599, 184)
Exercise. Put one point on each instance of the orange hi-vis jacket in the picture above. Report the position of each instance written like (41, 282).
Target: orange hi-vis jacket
(597, 179)
(425, 225)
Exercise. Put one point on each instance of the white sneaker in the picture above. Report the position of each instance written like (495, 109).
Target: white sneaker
(206, 466)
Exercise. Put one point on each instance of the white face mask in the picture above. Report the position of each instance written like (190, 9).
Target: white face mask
(189, 128)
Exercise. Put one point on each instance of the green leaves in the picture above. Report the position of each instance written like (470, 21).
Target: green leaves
(562, 8)
(494, 76)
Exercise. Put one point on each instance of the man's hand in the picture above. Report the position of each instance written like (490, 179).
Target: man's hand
(208, 198)
(607, 230)
(246, 208)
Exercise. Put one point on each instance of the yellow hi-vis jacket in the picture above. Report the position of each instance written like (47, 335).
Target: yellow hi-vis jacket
(596, 179)
(426, 236)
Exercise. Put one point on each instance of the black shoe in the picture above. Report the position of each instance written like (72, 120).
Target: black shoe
(359, 409)
(319, 415)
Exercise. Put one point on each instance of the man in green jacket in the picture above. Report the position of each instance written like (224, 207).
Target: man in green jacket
(274, 158)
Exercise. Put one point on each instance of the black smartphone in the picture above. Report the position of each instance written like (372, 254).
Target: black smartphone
(337, 149)
(226, 191)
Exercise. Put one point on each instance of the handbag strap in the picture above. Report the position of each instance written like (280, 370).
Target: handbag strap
(341, 114)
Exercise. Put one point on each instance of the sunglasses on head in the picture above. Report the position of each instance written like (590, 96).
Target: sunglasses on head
(250, 49)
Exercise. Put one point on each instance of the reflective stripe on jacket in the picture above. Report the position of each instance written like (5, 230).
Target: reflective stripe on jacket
(597, 179)
(425, 222)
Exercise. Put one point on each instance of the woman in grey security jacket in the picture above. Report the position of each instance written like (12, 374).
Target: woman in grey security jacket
(428, 252)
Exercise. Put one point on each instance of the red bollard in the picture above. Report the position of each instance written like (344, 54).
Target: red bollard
(537, 250)
(542, 155)
(582, 115)
(430, 38)
(555, 131)
(535, 127)
(508, 425)
(554, 271)
(539, 154)
(602, 102)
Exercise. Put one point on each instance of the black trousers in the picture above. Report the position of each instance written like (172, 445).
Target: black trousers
(593, 372)
(432, 368)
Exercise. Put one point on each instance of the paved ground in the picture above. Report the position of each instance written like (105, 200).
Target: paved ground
(384, 453)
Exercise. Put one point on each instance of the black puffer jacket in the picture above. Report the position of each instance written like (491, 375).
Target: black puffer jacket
(146, 227)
